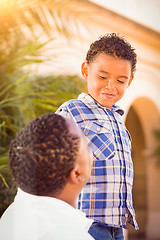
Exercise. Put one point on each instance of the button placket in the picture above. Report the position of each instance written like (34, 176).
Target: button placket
(98, 129)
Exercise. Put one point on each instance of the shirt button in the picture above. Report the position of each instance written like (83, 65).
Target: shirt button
(126, 215)
(98, 129)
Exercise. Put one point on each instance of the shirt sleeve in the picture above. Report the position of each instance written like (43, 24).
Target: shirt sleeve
(63, 111)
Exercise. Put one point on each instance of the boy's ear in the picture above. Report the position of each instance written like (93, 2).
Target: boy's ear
(130, 80)
(84, 70)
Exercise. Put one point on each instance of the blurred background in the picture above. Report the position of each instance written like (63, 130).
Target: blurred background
(42, 46)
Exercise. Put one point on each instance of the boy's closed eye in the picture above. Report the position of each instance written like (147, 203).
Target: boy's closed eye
(121, 81)
(106, 78)
(103, 77)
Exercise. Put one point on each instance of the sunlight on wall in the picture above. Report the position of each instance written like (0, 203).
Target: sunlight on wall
(143, 11)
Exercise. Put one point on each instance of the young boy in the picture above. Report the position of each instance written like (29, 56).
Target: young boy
(50, 163)
(107, 198)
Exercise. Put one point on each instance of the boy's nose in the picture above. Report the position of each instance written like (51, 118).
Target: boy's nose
(109, 84)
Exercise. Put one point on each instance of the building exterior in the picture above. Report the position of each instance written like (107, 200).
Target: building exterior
(141, 103)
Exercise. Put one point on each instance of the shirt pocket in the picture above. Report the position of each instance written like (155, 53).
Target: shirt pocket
(100, 139)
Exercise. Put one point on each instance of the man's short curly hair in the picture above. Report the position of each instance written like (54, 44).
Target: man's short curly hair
(113, 45)
(43, 154)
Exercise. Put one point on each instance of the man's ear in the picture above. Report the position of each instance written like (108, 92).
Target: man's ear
(84, 70)
(75, 175)
(130, 80)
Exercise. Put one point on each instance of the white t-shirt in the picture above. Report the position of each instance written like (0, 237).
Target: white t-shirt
(32, 217)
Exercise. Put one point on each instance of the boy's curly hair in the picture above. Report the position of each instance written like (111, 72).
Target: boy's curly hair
(113, 45)
(43, 154)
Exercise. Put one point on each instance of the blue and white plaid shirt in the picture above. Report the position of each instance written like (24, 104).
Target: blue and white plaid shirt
(107, 197)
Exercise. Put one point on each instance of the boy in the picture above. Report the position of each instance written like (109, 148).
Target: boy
(107, 198)
(50, 164)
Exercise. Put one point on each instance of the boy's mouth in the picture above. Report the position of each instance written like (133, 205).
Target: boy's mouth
(108, 95)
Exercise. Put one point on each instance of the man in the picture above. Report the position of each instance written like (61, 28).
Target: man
(50, 163)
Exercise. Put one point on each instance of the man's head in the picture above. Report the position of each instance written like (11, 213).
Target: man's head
(109, 68)
(46, 152)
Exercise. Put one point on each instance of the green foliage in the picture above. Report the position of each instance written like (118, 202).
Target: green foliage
(7, 189)
(157, 149)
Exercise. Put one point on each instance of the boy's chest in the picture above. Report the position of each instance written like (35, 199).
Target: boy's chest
(99, 121)
(105, 132)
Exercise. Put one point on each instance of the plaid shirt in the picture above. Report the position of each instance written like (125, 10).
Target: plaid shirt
(107, 197)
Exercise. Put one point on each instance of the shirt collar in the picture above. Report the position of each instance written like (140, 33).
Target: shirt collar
(91, 103)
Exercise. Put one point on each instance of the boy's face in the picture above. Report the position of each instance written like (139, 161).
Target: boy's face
(107, 78)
